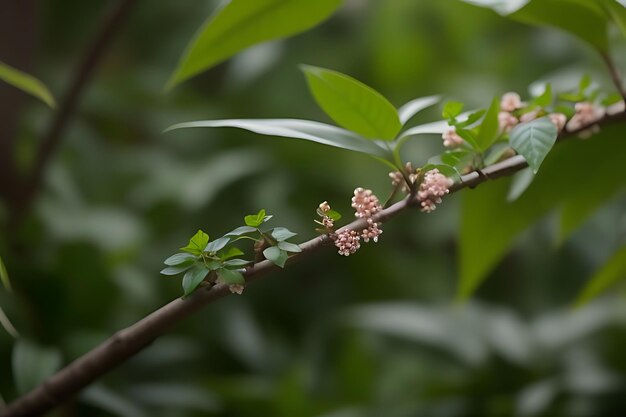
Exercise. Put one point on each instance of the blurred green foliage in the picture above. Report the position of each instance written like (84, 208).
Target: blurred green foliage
(369, 335)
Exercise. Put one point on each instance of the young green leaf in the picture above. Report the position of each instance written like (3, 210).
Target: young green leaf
(180, 258)
(533, 140)
(289, 247)
(230, 253)
(489, 127)
(410, 109)
(26, 83)
(471, 119)
(452, 109)
(193, 278)
(237, 262)
(175, 270)
(613, 271)
(197, 243)
(545, 99)
(352, 104)
(298, 129)
(333, 215)
(230, 277)
(242, 23)
(255, 220)
(242, 230)
(217, 244)
(276, 255)
(282, 233)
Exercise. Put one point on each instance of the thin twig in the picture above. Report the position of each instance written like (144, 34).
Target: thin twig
(54, 136)
(615, 74)
(126, 343)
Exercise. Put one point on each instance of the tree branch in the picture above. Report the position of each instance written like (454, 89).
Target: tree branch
(127, 342)
(52, 139)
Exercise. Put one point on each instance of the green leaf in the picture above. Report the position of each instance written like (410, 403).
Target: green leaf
(255, 220)
(180, 258)
(289, 247)
(453, 157)
(617, 12)
(241, 231)
(237, 262)
(27, 83)
(4, 276)
(193, 278)
(584, 83)
(217, 244)
(452, 109)
(410, 109)
(239, 24)
(489, 224)
(32, 364)
(447, 170)
(282, 233)
(545, 99)
(352, 104)
(197, 243)
(276, 255)
(230, 277)
(489, 127)
(175, 270)
(582, 18)
(613, 271)
(297, 129)
(230, 253)
(533, 140)
(333, 215)
(471, 119)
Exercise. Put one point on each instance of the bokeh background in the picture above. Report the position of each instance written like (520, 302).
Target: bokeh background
(375, 334)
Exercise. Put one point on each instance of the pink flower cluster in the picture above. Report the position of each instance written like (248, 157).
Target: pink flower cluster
(451, 139)
(434, 186)
(365, 205)
(511, 102)
(326, 221)
(586, 114)
(397, 178)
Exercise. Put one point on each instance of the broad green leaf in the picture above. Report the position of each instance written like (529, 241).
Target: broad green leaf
(352, 104)
(239, 24)
(489, 224)
(4, 276)
(230, 253)
(617, 13)
(217, 244)
(519, 183)
(255, 220)
(582, 18)
(297, 129)
(32, 364)
(613, 271)
(533, 140)
(453, 157)
(276, 255)
(26, 83)
(175, 270)
(197, 243)
(193, 278)
(180, 258)
(230, 277)
(282, 233)
(413, 107)
(241, 231)
(237, 262)
(452, 109)
(289, 247)
(334, 215)
(489, 128)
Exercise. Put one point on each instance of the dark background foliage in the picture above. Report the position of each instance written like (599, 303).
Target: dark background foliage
(374, 334)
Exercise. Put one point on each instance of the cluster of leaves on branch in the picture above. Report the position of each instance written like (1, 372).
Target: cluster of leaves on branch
(218, 261)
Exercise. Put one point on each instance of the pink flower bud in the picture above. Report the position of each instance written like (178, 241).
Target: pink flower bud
(559, 120)
(530, 116)
(324, 207)
(236, 288)
(586, 114)
(347, 242)
(451, 139)
(434, 186)
(365, 203)
(510, 102)
(506, 121)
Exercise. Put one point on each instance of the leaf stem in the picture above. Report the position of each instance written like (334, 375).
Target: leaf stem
(615, 73)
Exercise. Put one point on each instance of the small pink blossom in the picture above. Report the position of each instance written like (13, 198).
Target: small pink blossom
(451, 139)
(365, 203)
(372, 232)
(328, 222)
(510, 101)
(236, 288)
(559, 120)
(347, 242)
(434, 186)
(586, 114)
(506, 121)
(324, 207)
(397, 178)
(616, 108)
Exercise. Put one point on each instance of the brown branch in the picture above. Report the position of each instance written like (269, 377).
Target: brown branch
(84, 71)
(126, 343)
(616, 77)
